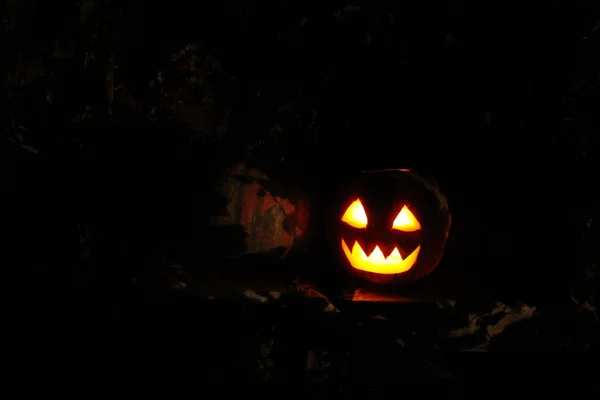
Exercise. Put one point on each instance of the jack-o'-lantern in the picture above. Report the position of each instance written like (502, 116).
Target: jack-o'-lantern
(389, 226)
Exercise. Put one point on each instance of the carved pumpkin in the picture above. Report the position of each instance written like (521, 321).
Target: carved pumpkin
(389, 226)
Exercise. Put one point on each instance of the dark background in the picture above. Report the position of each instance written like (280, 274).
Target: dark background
(497, 101)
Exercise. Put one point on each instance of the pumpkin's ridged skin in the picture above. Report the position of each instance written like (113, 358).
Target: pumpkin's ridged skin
(406, 187)
(271, 222)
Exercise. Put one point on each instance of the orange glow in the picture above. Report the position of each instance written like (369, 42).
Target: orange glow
(377, 262)
(406, 221)
(355, 215)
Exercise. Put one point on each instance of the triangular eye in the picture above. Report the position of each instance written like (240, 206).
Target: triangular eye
(406, 221)
(355, 215)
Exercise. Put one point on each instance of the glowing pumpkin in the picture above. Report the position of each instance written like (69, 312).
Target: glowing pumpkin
(390, 226)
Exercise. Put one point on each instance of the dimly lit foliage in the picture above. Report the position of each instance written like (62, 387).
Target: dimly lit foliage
(260, 215)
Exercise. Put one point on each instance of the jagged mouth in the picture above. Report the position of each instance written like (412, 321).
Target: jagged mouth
(376, 262)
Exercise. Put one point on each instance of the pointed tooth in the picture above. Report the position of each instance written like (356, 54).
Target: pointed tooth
(386, 249)
(404, 253)
(370, 247)
(345, 243)
(377, 255)
(358, 251)
(395, 256)
(362, 243)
